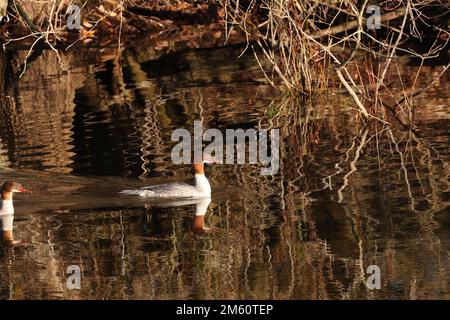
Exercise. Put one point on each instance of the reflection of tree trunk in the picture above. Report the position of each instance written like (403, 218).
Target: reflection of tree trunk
(43, 116)
(149, 89)
(55, 271)
(7, 130)
(3, 156)
(155, 116)
(2, 70)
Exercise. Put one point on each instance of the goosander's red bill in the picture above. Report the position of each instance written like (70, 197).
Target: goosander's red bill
(22, 189)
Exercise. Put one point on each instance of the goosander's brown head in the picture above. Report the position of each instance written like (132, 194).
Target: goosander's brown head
(10, 187)
(199, 168)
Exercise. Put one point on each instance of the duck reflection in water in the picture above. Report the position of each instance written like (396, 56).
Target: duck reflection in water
(201, 207)
(198, 225)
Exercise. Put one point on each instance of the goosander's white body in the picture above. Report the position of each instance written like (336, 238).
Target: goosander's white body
(6, 207)
(200, 189)
(6, 215)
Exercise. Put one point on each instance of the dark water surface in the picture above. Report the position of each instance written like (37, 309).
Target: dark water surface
(80, 129)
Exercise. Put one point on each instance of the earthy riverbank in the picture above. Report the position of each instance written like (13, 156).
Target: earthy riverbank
(308, 56)
(105, 22)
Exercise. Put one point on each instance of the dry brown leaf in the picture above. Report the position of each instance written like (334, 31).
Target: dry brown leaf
(87, 34)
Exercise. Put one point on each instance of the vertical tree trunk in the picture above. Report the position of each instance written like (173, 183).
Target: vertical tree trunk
(3, 7)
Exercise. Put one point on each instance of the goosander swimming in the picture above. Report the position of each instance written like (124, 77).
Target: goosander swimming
(7, 208)
(200, 189)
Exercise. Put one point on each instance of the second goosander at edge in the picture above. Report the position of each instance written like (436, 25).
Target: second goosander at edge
(200, 189)
(7, 209)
